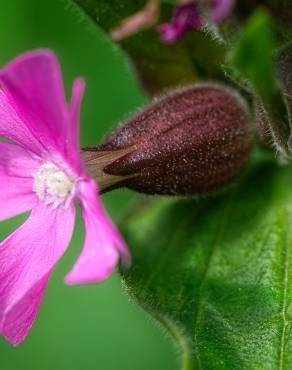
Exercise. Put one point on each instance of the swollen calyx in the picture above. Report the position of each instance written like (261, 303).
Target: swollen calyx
(190, 141)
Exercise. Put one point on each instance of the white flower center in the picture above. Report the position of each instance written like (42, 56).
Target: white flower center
(53, 185)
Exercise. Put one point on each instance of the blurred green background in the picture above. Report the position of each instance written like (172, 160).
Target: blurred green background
(91, 327)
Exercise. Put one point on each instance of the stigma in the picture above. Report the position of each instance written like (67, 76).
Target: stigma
(53, 186)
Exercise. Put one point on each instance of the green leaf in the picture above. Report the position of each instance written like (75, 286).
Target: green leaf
(252, 54)
(252, 58)
(159, 66)
(217, 273)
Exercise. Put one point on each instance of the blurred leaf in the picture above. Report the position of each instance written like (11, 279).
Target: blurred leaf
(252, 59)
(253, 54)
(159, 66)
(207, 55)
(217, 273)
(285, 74)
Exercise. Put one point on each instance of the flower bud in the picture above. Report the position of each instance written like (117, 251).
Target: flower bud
(191, 141)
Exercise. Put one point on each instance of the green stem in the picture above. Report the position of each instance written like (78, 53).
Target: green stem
(189, 360)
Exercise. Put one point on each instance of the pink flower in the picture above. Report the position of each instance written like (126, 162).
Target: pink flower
(221, 9)
(41, 170)
(188, 17)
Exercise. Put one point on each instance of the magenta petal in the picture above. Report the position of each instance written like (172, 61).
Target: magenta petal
(12, 127)
(221, 9)
(103, 244)
(73, 150)
(98, 259)
(186, 18)
(17, 162)
(17, 167)
(34, 85)
(16, 197)
(27, 258)
(77, 96)
(169, 33)
(34, 81)
(20, 318)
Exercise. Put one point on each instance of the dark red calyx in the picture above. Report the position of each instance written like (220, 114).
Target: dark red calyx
(188, 142)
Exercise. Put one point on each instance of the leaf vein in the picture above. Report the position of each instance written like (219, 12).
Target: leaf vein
(221, 225)
(285, 284)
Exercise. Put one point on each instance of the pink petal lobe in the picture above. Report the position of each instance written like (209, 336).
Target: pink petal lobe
(73, 133)
(34, 82)
(17, 168)
(221, 9)
(13, 128)
(20, 319)
(27, 258)
(186, 18)
(34, 86)
(103, 245)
